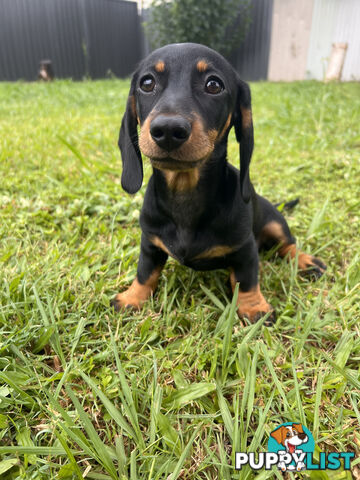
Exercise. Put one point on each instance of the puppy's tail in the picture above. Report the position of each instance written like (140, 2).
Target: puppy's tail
(287, 205)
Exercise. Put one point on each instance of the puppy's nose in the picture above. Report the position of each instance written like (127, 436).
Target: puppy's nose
(302, 436)
(169, 132)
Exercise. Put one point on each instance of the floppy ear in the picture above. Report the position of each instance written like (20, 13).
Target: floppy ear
(244, 135)
(278, 434)
(298, 427)
(132, 173)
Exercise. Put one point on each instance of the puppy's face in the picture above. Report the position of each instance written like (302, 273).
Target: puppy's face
(290, 436)
(183, 99)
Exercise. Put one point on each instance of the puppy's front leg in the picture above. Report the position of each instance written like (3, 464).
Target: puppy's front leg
(151, 262)
(245, 271)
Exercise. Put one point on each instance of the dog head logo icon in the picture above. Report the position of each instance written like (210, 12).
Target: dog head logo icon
(292, 441)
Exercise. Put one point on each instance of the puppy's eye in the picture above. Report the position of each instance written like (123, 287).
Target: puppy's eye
(214, 85)
(147, 84)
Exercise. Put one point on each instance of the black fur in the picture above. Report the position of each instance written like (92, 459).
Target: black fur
(222, 209)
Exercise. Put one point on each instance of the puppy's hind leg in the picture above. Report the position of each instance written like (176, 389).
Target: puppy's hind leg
(275, 232)
(151, 262)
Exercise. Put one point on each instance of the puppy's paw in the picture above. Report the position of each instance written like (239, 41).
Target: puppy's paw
(125, 300)
(311, 267)
(134, 297)
(271, 316)
(252, 305)
(256, 312)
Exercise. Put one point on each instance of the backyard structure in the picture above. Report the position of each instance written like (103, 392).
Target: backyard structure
(287, 39)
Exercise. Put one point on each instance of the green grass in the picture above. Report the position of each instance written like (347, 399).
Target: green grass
(174, 390)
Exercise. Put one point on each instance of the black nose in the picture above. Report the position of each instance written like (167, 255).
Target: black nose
(169, 132)
(302, 436)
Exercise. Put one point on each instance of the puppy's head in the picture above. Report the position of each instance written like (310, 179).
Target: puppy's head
(185, 98)
(290, 436)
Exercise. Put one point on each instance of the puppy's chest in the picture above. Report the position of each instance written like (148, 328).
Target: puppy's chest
(181, 243)
(198, 249)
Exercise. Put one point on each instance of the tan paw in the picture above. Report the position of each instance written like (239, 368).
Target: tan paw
(252, 304)
(308, 265)
(134, 297)
(254, 307)
(311, 266)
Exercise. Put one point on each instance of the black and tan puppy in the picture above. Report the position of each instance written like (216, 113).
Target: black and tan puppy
(198, 208)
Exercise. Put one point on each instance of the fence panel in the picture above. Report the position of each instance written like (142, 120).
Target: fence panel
(252, 57)
(114, 32)
(40, 29)
(98, 37)
(81, 37)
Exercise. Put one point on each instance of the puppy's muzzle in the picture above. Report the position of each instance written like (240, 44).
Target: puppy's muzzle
(170, 132)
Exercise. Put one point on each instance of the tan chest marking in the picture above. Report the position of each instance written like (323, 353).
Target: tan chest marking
(182, 181)
(217, 251)
(160, 244)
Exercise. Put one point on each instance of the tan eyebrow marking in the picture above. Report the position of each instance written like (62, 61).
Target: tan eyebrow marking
(160, 66)
(202, 65)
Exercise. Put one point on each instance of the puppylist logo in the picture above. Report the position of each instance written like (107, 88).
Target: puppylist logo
(291, 441)
(291, 448)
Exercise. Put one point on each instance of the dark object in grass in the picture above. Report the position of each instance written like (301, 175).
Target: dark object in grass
(198, 208)
(46, 71)
(287, 205)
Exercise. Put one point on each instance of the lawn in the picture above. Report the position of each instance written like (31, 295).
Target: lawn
(174, 390)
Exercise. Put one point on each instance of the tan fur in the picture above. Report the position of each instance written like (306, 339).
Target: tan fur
(226, 126)
(202, 66)
(251, 304)
(213, 135)
(217, 251)
(137, 294)
(305, 260)
(274, 230)
(198, 147)
(133, 105)
(182, 181)
(246, 117)
(160, 66)
(160, 244)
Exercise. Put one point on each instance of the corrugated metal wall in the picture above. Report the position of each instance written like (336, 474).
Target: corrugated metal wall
(251, 58)
(81, 37)
(114, 32)
(287, 39)
(334, 21)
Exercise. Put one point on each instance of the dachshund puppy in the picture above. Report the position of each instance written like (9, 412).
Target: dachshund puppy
(198, 208)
